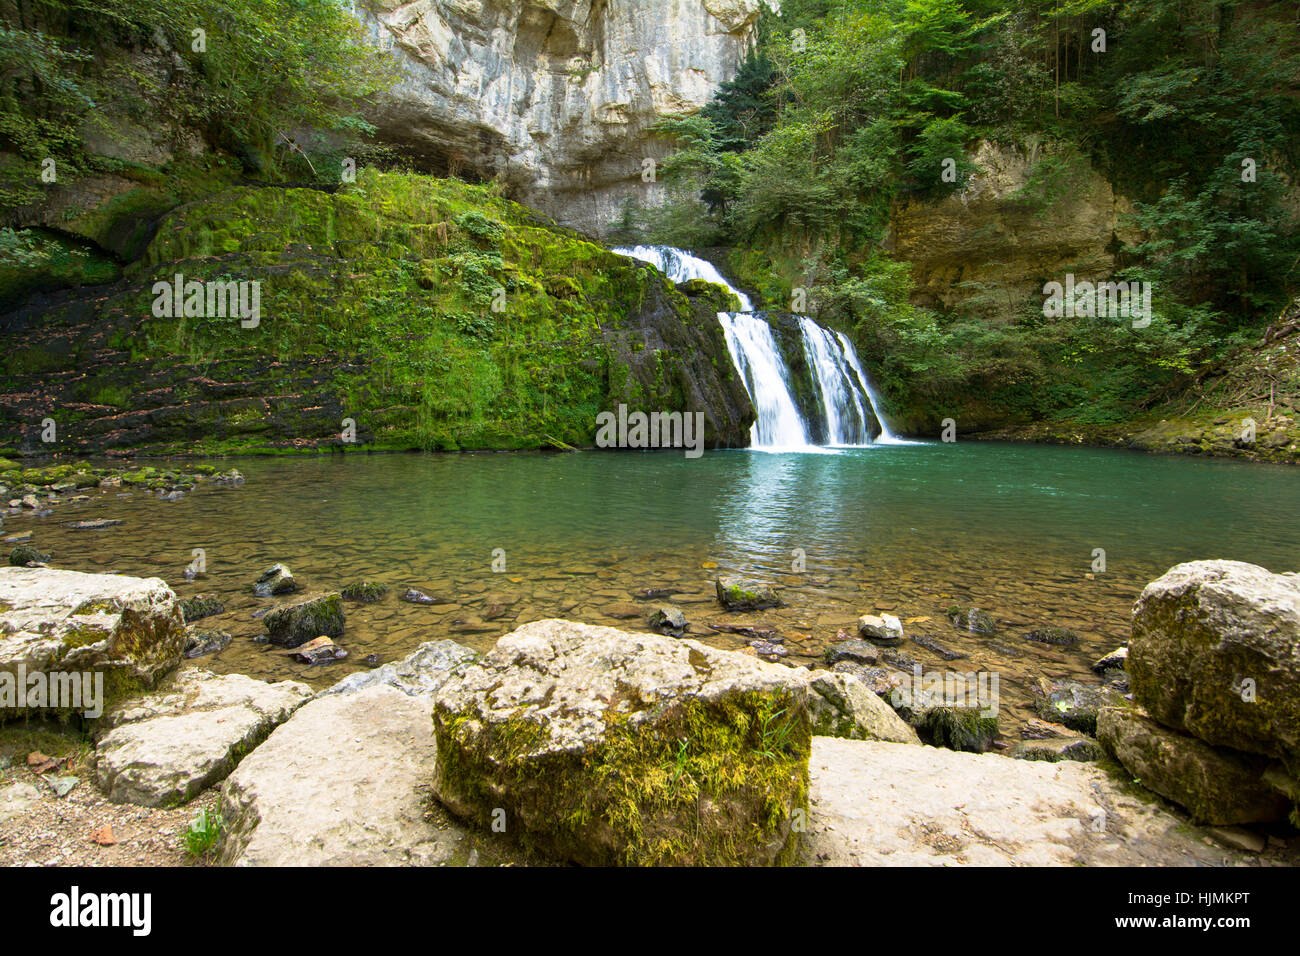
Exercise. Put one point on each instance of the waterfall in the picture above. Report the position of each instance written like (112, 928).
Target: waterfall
(847, 403)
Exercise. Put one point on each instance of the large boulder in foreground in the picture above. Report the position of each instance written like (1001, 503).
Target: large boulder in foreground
(1215, 785)
(606, 747)
(164, 748)
(1216, 653)
(130, 629)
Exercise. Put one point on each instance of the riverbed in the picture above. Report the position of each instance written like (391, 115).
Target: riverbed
(1019, 531)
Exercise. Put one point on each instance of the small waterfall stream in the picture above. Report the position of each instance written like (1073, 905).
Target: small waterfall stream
(847, 402)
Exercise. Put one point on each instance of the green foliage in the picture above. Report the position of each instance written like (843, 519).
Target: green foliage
(203, 833)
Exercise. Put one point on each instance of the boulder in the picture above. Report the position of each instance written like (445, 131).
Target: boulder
(667, 619)
(305, 619)
(881, 628)
(419, 674)
(737, 595)
(24, 554)
(130, 629)
(601, 746)
(202, 643)
(164, 748)
(1115, 660)
(858, 651)
(1215, 785)
(201, 606)
(842, 706)
(275, 581)
(1215, 652)
(340, 785)
(364, 592)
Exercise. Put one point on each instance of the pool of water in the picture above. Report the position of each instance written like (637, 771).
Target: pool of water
(906, 528)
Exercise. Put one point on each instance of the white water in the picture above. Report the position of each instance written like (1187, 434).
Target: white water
(847, 399)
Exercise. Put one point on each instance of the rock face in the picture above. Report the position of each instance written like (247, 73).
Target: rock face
(556, 98)
(1216, 653)
(162, 749)
(599, 746)
(130, 629)
(1217, 786)
(337, 786)
(882, 804)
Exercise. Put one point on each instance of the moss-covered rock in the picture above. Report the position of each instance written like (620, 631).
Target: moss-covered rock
(599, 746)
(735, 594)
(365, 592)
(201, 606)
(52, 621)
(1215, 652)
(304, 619)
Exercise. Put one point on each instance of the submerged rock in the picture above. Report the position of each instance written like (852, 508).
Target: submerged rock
(1055, 636)
(934, 647)
(24, 554)
(366, 592)
(737, 595)
(1214, 784)
(606, 747)
(972, 619)
(1215, 653)
(94, 524)
(311, 616)
(412, 596)
(275, 581)
(201, 606)
(167, 747)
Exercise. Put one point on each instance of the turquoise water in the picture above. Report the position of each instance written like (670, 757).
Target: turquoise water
(905, 528)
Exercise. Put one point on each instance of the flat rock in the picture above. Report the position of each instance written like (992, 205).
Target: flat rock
(886, 804)
(419, 674)
(165, 748)
(340, 784)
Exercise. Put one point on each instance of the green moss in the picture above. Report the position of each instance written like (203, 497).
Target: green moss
(697, 783)
(366, 592)
(957, 728)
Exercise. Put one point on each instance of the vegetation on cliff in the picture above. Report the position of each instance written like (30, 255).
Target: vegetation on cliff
(851, 108)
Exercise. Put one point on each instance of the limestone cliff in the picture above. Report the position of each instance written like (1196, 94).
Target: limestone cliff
(555, 98)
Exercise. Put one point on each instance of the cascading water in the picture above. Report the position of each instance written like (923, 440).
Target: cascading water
(846, 399)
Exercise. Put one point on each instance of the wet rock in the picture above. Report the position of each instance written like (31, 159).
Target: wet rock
(859, 651)
(1238, 839)
(843, 706)
(653, 594)
(24, 555)
(202, 643)
(366, 592)
(735, 594)
(304, 619)
(128, 628)
(167, 747)
(881, 681)
(275, 581)
(769, 650)
(1055, 636)
(1215, 785)
(201, 606)
(1115, 660)
(1073, 703)
(413, 596)
(973, 620)
(934, 647)
(968, 729)
(1215, 652)
(881, 628)
(320, 650)
(176, 495)
(667, 619)
(419, 674)
(561, 712)
(1037, 729)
